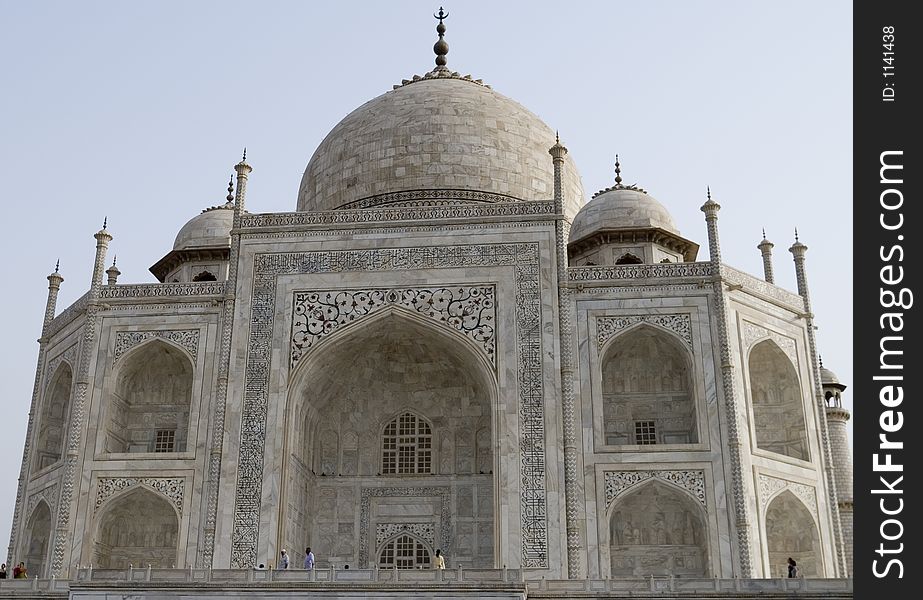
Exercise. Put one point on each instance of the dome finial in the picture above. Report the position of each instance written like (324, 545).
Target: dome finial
(114, 258)
(441, 47)
(105, 221)
(796, 235)
(57, 265)
(764, 233)
(618, 171)
(230, 197)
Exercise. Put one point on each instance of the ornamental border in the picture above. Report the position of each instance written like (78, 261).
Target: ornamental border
(524, 257)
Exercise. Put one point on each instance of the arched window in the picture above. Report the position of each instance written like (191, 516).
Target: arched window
(778, 411)
(407, 446)
(125, 538)
(205, 276)
(629, 259)
(404, 552)
(39, 534)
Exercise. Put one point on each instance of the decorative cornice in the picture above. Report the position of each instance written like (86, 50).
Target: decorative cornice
(440, 73)
(67, 316)
(162, 290)
(659, 270)
(411, 213)
(760, 288)
(433, 197)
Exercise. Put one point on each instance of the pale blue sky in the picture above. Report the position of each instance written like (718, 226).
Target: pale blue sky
(137, 111)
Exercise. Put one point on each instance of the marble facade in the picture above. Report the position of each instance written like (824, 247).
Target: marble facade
(441, 348)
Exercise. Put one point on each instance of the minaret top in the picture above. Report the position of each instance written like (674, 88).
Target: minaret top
(441, 47)
(765, 241)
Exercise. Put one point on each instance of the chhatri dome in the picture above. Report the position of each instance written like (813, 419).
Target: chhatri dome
(440, 131)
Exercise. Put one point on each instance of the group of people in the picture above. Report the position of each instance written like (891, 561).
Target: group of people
(19, 571)
(438, 560)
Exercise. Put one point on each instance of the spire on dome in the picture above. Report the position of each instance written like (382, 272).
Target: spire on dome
(441, 47)
(230, 196)
(618, 172)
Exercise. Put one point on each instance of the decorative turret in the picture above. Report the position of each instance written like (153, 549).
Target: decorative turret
(112, 273)
(765, 248)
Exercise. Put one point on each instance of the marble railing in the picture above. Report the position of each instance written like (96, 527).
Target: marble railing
(696, 270)
(760, 287)
(161, 290)
(467, 579)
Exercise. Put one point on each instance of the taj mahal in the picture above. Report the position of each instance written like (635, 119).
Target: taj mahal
(443, 346)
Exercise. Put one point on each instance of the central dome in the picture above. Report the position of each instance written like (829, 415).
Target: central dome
(443, 133)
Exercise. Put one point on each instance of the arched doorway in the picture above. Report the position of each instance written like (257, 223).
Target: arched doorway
(53, 420)
(391, 429)
(778, 410)
(657, 530)
(792, 533)
(149, 409)
(647, 390)
(138, 528)
(38, 538)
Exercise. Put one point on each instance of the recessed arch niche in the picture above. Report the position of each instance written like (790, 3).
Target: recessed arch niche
(37, 540)
(149, 407)
(792, 533)
(657, 529)
(647, 388)
(52, 425)
(138, 528)
(778, 410)
(345, 394)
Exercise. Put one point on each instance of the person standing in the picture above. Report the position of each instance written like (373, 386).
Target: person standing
(308, 559)
(283, 560)
(439, 560)
(3, 571)
(20, 571)
(792, 567)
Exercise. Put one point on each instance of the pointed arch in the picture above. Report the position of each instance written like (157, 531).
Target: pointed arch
(648, 388)
(123, 539)
(38, 538)
(404, 551)
(347, 391)
(776, 400)
(52, 425)
(148, 410)
(791, 532)
(657, 529)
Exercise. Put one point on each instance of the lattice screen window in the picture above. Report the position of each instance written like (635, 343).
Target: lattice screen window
(404, 552)
(645, 432)
(165, 440)
(407, 446)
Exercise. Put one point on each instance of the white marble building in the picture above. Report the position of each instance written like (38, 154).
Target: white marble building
(443, 346)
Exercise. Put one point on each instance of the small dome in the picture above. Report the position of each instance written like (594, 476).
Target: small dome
(440, 132)
(621, 208)
(828, 377)
(210, 229)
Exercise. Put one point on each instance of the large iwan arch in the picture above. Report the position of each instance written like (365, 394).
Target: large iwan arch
(360, 403)
(148, 410)
(778, 409)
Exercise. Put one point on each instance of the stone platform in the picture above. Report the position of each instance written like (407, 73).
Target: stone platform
(355, 584)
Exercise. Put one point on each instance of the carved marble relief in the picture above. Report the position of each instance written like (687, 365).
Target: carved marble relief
(173, 489)
(680, 324)
(619, 482)
(126, 340)
(752, 333)
(791, 531)
(469, 310)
